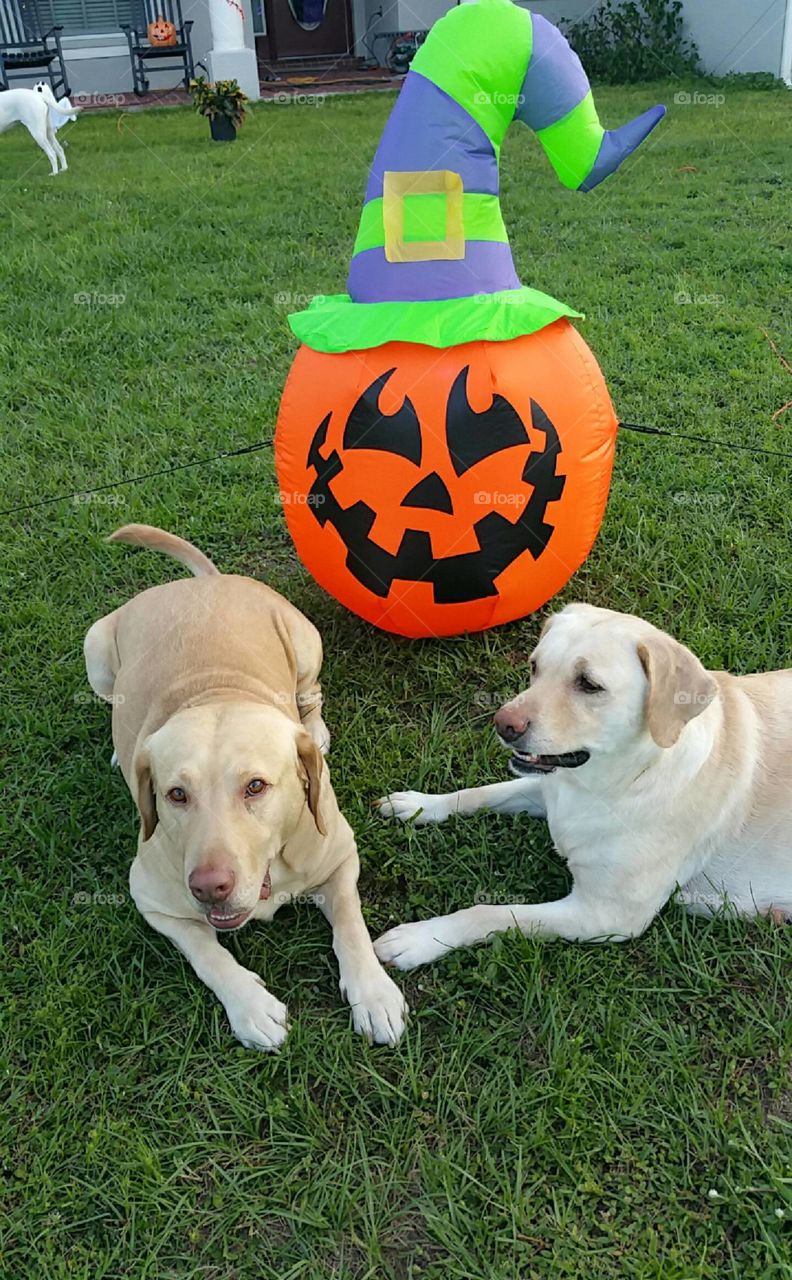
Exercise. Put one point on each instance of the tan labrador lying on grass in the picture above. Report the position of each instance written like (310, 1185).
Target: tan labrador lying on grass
(652, 773)
(217, 726)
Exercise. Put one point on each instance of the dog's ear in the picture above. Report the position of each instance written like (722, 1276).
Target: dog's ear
(144, 794)
(311, 766)
(679, 687)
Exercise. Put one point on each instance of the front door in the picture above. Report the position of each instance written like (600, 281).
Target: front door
(308, 28)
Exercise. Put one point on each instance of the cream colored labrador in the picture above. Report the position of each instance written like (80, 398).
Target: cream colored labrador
(217, 726)
(652, 773)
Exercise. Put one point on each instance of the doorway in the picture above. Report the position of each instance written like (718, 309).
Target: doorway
(303, 29)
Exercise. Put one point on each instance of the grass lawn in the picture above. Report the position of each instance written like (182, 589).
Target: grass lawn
(613, 1113)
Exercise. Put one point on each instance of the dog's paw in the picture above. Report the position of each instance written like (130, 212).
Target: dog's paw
(320, 734)
(379, 1010)
(408, 945)
(404, 805)
(257, 1018)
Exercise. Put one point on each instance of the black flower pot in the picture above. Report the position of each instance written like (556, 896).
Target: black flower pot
(223, 129)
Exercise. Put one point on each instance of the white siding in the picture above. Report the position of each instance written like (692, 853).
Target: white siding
(732, 35)
(735, 36)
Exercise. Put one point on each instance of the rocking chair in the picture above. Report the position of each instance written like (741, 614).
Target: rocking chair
(146, 56)
(25, 47)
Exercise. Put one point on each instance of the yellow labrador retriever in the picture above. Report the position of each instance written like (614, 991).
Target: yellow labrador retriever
(217, 726)
(652, 773)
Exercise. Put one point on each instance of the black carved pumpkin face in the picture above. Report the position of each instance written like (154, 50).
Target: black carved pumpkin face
(424, 480)
(456, 524)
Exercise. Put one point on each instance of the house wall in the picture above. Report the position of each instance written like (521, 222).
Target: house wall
(372, 17)
(732, 35)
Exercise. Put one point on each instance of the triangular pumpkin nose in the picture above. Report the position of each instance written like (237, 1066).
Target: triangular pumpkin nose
(431, 495)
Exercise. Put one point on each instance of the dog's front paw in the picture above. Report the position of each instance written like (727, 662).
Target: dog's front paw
(379, 1010)
(320, 734)
(257, 1018)
(408, 945)
(413, 804)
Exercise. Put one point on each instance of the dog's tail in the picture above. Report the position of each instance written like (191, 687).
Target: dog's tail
(49, 97)
(145, 535)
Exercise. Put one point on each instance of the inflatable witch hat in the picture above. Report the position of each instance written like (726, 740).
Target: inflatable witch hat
(431, 228)
(445, 439)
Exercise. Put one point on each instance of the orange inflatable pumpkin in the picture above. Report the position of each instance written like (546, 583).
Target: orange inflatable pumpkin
(435, 491)
(161, 33)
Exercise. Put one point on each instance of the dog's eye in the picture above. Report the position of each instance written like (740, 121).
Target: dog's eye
(586, 685)
(255, 787)
(533, 668)
(177, 795)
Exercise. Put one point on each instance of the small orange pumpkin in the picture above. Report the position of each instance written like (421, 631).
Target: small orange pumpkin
(161, 32)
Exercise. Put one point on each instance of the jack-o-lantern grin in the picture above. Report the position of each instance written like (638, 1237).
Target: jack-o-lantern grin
(471, 438)
(161, 32)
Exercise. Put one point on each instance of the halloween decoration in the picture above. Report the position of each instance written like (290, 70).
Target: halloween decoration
(445, 439)
(161, 32)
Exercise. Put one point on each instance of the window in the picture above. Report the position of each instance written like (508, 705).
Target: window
(259, 21)
(85, 17)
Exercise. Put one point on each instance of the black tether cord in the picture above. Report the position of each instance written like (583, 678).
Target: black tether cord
(267, 444)
(682, 435)
(146, 475)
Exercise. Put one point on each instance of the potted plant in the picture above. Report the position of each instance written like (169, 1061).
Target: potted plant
(223, 102)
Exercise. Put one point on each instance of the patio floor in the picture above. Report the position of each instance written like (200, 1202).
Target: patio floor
(292, 82)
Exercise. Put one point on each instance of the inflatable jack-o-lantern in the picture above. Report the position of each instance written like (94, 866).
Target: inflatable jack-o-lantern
(434, 492)
(161, 33)
(445, 438)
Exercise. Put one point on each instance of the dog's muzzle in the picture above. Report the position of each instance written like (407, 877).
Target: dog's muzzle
(220, 919)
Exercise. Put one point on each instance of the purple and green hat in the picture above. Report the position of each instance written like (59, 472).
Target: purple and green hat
(432, 262)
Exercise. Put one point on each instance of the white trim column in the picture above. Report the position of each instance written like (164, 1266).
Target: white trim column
(786, 47)
(230, 58)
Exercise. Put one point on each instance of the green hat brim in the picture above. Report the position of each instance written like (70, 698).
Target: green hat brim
(334, 323)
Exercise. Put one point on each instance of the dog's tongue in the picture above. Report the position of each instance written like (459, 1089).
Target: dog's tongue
(266, 887)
